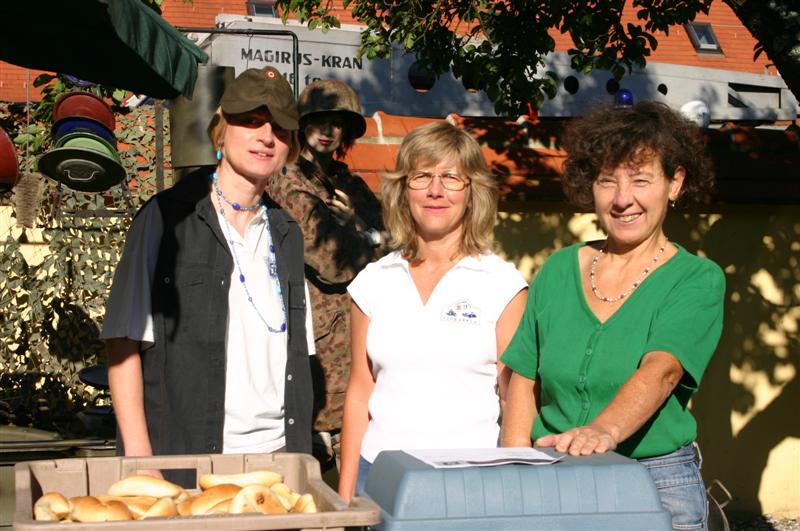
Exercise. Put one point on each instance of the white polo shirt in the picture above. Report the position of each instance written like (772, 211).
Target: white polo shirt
(435, 365)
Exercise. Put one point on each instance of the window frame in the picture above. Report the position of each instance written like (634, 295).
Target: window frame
(699, 46)
(254, 5)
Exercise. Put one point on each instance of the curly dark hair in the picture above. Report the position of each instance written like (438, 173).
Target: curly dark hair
(608, 137)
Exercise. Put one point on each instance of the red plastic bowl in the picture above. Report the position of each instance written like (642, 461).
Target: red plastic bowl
(85, 105)
(8, 161)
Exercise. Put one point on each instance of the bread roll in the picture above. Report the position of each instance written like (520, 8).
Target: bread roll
(223, 507)
(163, 507)
(257, 498)
(286, 496)
(256, 477)
(52, 506)
(139, 497)
(211, 497)
(90, 509)
(305, 504)
(185, 507)
(146, 486)
(137, 505)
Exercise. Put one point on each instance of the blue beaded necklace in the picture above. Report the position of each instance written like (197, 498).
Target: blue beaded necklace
(270, 262)
(234, 205)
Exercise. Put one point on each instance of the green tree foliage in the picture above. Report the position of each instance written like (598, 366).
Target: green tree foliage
(775, 24)
(500, 45)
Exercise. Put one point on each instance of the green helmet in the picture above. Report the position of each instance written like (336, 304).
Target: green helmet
(330, 95)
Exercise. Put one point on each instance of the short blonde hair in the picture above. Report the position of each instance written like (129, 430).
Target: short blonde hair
(218, 125)
(429, 145)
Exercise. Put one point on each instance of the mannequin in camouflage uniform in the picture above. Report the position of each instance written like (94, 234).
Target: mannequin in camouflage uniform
(341, 222)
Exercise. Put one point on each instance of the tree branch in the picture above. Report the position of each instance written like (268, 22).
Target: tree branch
(775, 24)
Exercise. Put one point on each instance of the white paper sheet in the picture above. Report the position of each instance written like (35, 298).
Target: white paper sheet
(460, 458)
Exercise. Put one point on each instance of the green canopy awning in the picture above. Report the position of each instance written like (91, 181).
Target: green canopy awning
(121, 43)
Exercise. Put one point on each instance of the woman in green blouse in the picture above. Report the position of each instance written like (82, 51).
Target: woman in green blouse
(617, 333)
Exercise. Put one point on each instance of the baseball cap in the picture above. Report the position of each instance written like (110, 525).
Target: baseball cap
(255, 88)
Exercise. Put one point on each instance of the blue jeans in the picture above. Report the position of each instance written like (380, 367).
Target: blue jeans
(363, 469)
(680, 486)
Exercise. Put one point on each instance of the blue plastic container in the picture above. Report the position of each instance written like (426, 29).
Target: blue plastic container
(599, 492)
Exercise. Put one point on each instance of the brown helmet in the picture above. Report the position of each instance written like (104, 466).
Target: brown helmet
(330, 95)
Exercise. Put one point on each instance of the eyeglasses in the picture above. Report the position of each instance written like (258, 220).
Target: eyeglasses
(422, 180)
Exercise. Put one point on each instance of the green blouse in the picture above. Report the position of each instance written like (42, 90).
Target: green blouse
(582, 362)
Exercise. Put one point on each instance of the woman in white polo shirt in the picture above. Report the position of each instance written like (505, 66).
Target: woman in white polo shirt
(430, 319)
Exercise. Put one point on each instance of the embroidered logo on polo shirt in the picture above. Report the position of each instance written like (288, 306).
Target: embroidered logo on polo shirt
(461, 312)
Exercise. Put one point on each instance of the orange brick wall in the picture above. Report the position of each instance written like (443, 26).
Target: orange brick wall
(200, 13)
(737, 43)
(14, 83)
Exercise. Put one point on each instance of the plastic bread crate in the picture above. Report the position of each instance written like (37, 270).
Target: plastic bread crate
(598, 492)
(93, 476)
(22, 444)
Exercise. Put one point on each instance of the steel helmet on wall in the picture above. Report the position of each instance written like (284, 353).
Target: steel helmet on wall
(330, 95)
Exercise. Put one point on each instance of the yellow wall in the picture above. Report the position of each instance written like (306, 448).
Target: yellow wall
(748, 407)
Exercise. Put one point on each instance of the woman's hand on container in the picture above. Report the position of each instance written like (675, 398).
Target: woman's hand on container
(584, 440)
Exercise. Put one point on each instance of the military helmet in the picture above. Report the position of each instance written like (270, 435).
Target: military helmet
(330, 95)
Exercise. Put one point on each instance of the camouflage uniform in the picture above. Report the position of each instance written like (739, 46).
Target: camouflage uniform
(334, 254)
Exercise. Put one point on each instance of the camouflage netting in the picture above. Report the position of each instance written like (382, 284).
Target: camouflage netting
(59, 252)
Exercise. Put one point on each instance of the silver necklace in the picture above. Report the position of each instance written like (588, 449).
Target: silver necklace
(593, 270)
(271, 263)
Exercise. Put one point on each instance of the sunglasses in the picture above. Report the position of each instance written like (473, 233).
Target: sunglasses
(252, 119)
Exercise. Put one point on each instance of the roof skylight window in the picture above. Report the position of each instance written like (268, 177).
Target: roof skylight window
(703, 38)
(264, 8)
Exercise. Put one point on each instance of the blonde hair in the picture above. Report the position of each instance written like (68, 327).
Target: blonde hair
(429, 145)
(218, 125)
